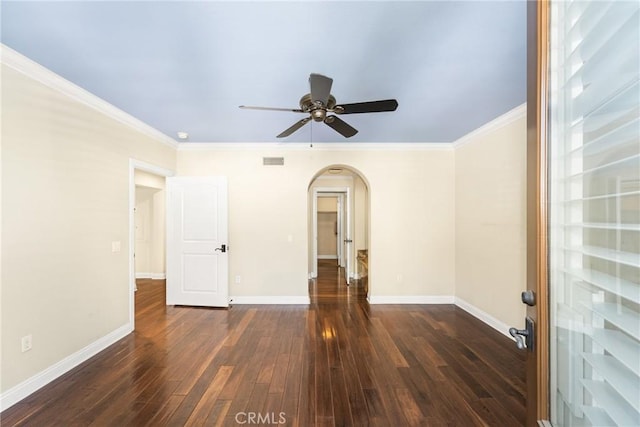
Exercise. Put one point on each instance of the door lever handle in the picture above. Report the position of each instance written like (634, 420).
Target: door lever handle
(222, 248)
(524, 337)
(518, 334)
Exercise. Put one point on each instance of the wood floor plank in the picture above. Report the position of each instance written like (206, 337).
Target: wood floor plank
(207, 402)
(411, 412)
(338, 361)
(218, 413)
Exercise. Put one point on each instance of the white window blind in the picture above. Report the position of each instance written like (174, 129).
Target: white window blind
(594, 149)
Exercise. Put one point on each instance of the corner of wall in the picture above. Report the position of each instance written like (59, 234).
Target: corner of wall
(490, 180)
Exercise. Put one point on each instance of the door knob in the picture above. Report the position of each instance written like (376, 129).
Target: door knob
(524, 337)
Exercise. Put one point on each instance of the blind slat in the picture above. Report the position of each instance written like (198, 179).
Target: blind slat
(620, 96)
(619, 411)
(624, 318)
(620, 257)
(625, 135)
(626, 350)
(618, 376)
(597, 416)
(604, 225)
(617, 163)
(596, 25)
(603, 196)
(617, 286)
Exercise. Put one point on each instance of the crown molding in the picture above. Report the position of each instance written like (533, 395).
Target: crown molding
(317, 146)
(35, 71)
(501, 121)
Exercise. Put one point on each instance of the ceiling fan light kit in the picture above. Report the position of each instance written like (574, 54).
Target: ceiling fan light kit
(319, 101)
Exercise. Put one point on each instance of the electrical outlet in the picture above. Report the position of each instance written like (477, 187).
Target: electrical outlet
(27, 343)
(238, 279)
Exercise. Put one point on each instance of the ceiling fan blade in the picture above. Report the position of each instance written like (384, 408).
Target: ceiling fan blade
(320, 87)
(340, 126)
(249, 107)
(367, 107)
(297, 125)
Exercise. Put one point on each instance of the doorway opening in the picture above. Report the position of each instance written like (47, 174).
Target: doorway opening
(149, 213)
(338, 218)
(147, 226)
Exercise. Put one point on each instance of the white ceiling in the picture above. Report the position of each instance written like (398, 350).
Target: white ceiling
(187, 66)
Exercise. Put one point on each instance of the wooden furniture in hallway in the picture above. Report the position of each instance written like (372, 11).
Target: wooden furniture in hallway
(338, 361)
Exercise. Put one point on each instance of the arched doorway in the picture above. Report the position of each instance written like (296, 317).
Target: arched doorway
(338, 222)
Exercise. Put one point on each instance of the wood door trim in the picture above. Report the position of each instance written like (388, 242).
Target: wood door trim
(537, 206)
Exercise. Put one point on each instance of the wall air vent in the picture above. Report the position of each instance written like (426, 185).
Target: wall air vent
(273, 161)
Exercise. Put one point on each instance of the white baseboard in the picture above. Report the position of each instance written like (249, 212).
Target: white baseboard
(36, 382)
(274, 300)
(411, 299)
(485, 317)
(152, 276)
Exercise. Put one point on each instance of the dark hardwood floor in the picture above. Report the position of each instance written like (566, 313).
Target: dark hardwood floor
(336, 362)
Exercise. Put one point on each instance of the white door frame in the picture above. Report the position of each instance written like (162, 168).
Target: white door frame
(344, 232)
(135, 165)
(340, 229)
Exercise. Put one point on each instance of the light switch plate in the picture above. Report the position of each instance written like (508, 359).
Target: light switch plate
(115, 246)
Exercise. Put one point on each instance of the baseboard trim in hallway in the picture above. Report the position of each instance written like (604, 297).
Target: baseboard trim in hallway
(271, 300)
(411, 299)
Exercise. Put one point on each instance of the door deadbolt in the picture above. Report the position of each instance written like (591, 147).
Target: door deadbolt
(529, 298)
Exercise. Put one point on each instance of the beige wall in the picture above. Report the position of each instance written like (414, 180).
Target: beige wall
(327, 238)
(143, 219)
(361, 214)
(490, 218)
(150, 233)
(411, 204)
(327, 216)
(327, 204)
(150, 225)
(65, 199)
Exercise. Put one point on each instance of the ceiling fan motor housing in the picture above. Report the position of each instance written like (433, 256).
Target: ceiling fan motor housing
(317, 109)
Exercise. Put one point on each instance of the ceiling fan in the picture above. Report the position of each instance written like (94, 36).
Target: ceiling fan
(319, 102)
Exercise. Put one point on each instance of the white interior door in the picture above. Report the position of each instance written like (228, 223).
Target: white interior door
(197, 258)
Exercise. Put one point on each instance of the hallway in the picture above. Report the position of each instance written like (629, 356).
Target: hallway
(338, 361)
(330, 287)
